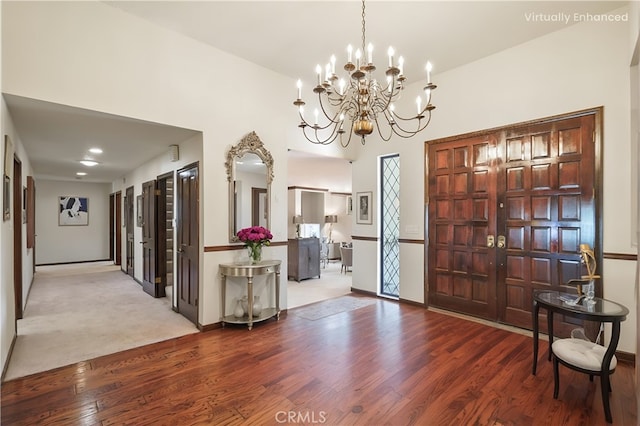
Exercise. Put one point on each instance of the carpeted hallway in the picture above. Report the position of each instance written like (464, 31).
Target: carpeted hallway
(81, 311)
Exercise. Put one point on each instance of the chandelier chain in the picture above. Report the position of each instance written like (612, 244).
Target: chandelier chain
(364, 43)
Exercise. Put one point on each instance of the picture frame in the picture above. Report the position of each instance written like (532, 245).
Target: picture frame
(6, 198)
(364, 210)
(349, 204)
(73, 211)
(8, 156)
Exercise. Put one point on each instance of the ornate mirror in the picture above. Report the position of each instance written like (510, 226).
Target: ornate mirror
(249, 173)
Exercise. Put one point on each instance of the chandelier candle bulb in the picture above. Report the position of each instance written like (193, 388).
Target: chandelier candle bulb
(299, 84)
(358, 54)
(327, 73)
(429, 68)
(349, 52)
(315, 112)
(333, 64)
(419, 104)
(400, 64)
(319, 72)
(391, 52)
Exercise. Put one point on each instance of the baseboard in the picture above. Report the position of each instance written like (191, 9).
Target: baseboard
(6, 364)
(72, 263)
(626, 357)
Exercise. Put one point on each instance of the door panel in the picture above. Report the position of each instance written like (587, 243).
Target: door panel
(547, 185)
(462, 188)
(151, 280)
(532, 189)
(187, 255)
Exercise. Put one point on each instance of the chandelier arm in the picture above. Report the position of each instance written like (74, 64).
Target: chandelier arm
(316, 140)
(404, 133)
(379, 127)
(324, 111)
(344, 145)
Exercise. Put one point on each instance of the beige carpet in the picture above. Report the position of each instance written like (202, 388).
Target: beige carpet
(82, 311)
(331, 284)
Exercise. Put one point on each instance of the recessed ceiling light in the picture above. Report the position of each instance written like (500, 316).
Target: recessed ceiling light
(89, 163)
(95, 151)
(81, 173)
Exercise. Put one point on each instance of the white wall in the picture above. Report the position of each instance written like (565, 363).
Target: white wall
(94, 56)
(7, 294)
(547, 76)
(66, 244)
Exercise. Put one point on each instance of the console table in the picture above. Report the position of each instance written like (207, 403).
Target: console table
(248, 270)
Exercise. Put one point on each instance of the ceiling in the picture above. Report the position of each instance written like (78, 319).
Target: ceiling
(290, 38)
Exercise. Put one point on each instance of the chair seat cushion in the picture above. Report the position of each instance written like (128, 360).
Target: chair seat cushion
(581, 353)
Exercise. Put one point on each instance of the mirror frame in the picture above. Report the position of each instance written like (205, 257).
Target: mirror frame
(252, 144)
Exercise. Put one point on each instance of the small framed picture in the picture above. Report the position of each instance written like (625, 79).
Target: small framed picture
(73, 211)
(349, 204)
(364, 212)
(6, 198)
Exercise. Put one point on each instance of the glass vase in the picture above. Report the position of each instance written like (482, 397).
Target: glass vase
(255, 253)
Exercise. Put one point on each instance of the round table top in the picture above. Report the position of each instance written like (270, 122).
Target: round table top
(597, 309)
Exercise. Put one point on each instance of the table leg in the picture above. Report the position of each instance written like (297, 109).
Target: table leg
(250, 301)
(535, 312)
(605, 384)
(550, 330)
(278, 295)
(223, 291)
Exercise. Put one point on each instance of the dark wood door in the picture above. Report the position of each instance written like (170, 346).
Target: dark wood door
(128, 209)
(507, 213)
(462, 215)
(118, 228)
(151, 281)
(187, 256)
(16, 215)
(546, 210)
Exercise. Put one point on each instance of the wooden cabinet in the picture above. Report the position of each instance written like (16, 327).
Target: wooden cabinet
(304, 258)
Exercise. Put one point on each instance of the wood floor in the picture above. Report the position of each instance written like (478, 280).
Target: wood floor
(386, 363)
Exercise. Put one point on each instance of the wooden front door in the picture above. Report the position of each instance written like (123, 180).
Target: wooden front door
(508, 210)
(151, 282)
(188, 252)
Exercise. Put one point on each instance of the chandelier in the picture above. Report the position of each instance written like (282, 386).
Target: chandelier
(361, 100)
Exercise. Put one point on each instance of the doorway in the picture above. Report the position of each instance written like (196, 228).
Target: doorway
(165, 237)
(129, 250)
(507, 211)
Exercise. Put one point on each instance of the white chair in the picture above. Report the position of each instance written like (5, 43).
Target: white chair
(346, 253)
(586, 357)
(324, 254)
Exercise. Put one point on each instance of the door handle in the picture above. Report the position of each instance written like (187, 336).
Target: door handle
(490, 241)
(502, 242)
